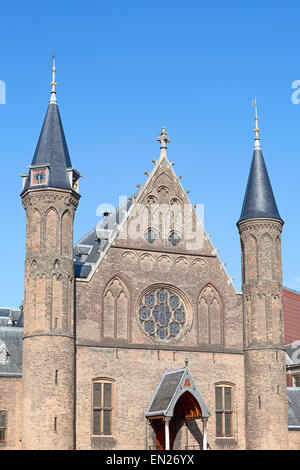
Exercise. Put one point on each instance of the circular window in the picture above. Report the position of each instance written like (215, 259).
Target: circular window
(151, 235)
(174, 238)
(162, 313)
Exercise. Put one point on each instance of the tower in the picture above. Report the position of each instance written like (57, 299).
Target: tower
(260, 227)
(50, 197)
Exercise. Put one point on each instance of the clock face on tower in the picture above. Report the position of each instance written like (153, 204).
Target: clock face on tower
(39, 177)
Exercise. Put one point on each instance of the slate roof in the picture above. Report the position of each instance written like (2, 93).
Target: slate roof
(293, 394)
(170, 389)
(5, 312)
(259, 201)
(52, 149)
(293, 353)
(12, 337)
(87, 250)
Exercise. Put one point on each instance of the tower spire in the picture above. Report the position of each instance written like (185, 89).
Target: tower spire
(163, 139)
(53, 83)
(256, 130)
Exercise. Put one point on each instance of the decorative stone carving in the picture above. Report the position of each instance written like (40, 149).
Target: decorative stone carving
(162, 180)
(146, 262)
(163, 263)
(175, 201)
(162, 313)
(128, 259)
(181, 264)
(199, 266)
(151, 199)
(115, 310)
(210, 317)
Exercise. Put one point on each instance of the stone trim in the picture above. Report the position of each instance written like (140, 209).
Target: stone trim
(157, 347)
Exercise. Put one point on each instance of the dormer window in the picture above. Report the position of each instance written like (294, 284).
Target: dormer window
(73, 176)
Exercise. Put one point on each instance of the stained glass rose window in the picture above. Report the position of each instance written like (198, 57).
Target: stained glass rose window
(162, 314)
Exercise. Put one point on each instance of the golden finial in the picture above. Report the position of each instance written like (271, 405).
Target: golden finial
(53, 83)
(256, 130)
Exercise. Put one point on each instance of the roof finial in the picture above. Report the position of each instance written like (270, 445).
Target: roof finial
(256, 130)
(186, 361)
(10, 321)
(53, 83)
(163, 139)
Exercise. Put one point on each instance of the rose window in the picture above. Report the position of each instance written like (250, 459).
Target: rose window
(162, 314)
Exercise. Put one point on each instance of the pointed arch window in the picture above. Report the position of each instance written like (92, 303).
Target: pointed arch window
(102, 408)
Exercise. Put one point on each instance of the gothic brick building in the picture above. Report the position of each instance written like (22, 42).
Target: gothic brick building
(135, 337)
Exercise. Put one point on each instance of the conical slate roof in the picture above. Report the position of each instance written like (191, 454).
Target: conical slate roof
(259, 201)
(52, 149)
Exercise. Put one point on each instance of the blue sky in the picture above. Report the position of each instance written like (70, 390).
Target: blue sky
(124, 69)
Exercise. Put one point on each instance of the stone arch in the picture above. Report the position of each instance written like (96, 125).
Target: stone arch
(162, 179)
(40, 308)
(163, 194)
(66, 233)
(266, 257)
(70, 292)
(51, 220)
(251, 257)
(260, 317)
(243, 260)
(277, 258)
(116, 302)
(35, 229)
(57, 301)
(210, 316)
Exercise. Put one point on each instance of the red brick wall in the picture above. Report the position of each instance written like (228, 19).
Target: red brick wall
(291, 312)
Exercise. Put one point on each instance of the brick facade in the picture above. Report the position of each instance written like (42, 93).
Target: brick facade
(291, 310)
(86, 330)
(265, 382)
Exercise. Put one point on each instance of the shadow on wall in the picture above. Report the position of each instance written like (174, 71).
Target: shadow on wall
(181, 435)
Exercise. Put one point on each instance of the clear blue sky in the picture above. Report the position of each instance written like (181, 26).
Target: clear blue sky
(124, 69)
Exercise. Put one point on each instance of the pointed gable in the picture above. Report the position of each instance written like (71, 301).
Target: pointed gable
(160, 207)
(172, 386)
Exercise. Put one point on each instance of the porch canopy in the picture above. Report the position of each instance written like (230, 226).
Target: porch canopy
(178, 387)
(172, 386)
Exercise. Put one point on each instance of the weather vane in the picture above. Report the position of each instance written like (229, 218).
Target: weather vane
(53, 83)
(256, 130)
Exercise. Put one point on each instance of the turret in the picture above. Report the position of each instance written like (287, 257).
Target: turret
(50, 197)
(260, 227)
